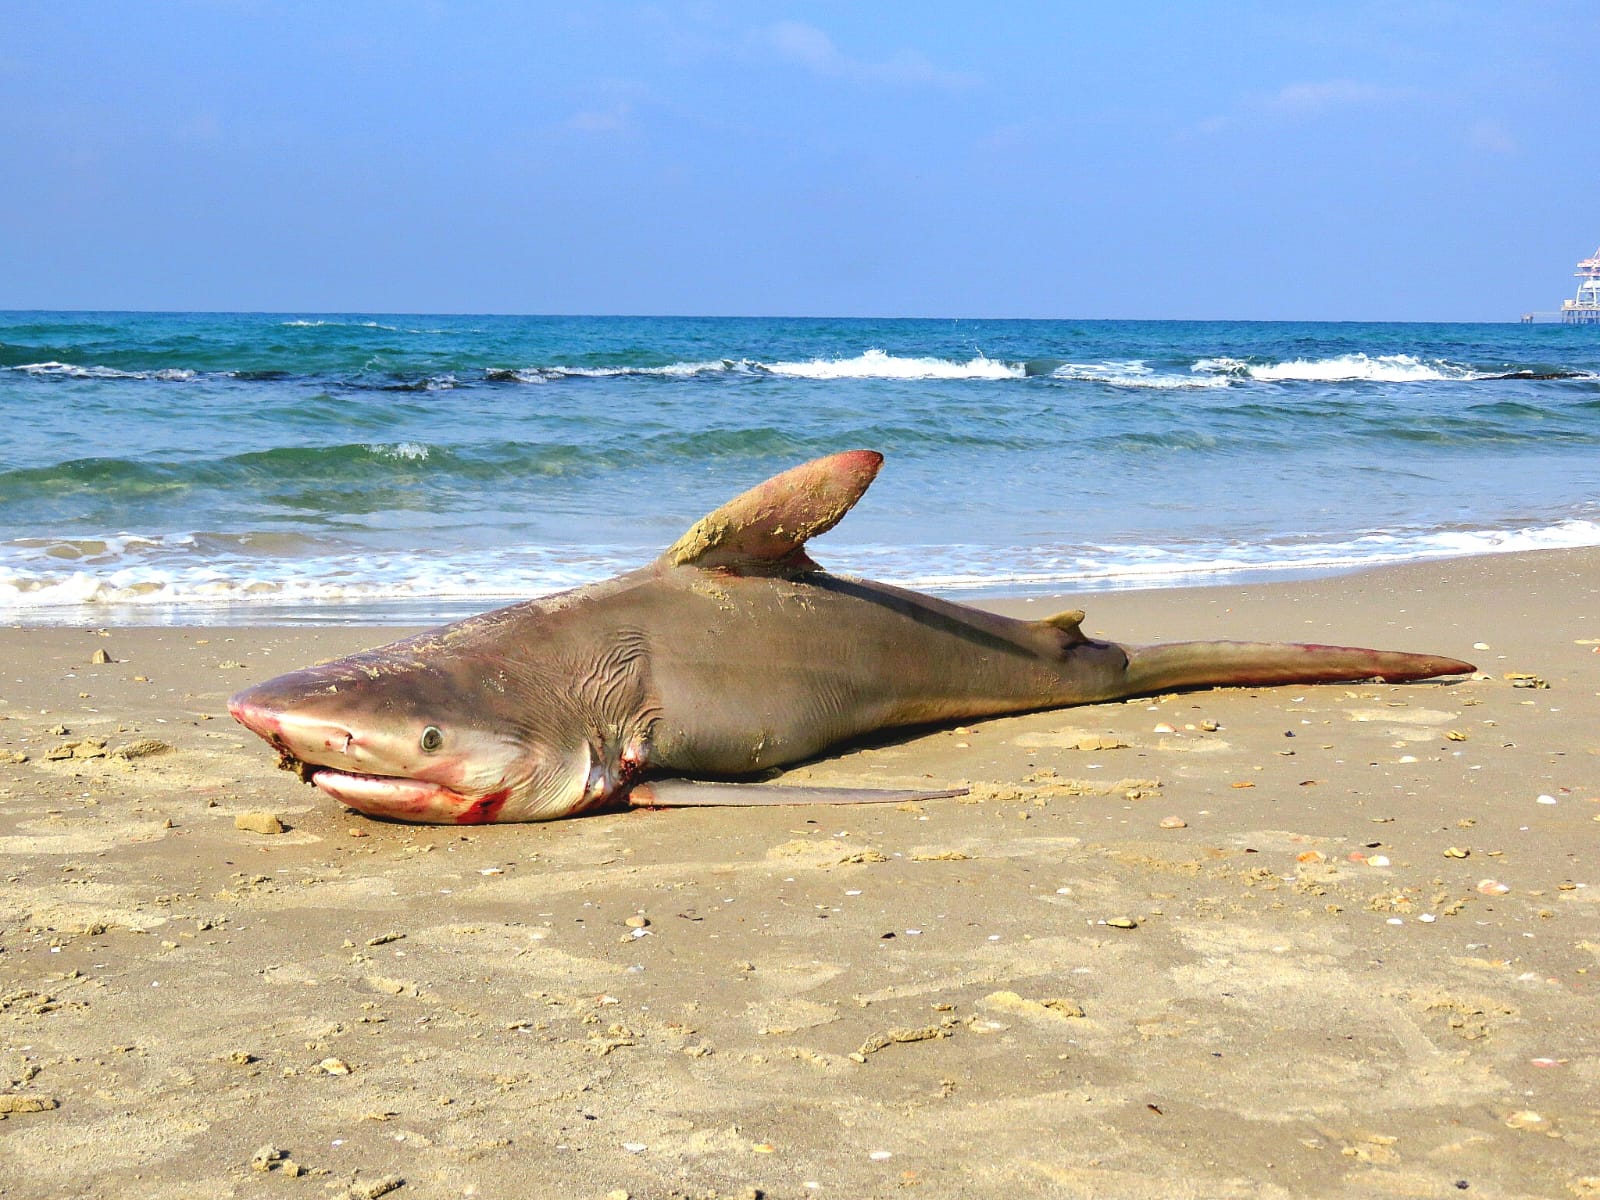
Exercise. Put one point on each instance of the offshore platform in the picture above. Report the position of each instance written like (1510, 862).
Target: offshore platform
(1584, 308)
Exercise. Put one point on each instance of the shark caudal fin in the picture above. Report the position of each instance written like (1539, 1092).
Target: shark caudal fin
(766, 528)
(1246, 664)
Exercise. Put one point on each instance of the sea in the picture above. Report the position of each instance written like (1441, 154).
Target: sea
(160, 468)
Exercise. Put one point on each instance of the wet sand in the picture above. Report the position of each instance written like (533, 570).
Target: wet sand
(1336, 941)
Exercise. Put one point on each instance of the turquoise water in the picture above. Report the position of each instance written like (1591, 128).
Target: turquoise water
(165, 467)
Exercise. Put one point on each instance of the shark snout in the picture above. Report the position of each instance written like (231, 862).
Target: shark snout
(260, 719)
(312, 738)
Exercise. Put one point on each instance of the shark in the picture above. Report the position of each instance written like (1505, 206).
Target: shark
(732, 654)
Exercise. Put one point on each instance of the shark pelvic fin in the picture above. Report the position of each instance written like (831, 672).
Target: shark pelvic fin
(765, 529)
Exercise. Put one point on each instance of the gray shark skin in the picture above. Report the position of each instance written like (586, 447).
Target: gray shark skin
(731, 654)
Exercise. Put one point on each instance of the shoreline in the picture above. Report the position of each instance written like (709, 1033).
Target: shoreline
(1045, 988)
(426, 611)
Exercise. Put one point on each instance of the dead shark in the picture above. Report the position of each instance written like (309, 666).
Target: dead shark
(731, 654)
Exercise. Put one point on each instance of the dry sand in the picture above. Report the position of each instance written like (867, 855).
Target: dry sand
(1050, 988)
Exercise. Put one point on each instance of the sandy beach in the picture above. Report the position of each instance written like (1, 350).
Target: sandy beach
(1317, 941)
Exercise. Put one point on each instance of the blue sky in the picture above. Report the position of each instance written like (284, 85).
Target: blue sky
(1385, 161)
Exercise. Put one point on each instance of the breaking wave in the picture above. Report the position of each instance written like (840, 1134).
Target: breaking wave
(1136, 374)
(61, 370)
(873, 364)
(1365, 368)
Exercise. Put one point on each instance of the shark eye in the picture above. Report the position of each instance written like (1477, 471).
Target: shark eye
(432, 739)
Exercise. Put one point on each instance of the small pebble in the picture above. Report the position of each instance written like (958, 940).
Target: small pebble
(1122, 923)
(1174, 823)
(1163, 727)
(141, 748)
(637, 922)
(1493, 887)
(1378, 860)
(371, 1189)
(1457, 852)
(1547, 800)
(880, 1155)
(266, 1158)
(258, 822)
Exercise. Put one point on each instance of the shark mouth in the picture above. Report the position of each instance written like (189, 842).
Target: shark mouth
(399, 797)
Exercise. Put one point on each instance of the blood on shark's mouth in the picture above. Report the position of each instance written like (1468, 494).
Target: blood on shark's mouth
(406, 799)
(398, 796)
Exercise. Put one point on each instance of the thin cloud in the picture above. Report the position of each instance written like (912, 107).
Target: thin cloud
(1307, 99)
(616, 119)
(1491, 137)
(1322, 95)
(614, 109)
(809, 47)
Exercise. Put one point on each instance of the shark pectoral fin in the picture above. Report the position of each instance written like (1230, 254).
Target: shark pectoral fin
(768, 526)
(693, 793)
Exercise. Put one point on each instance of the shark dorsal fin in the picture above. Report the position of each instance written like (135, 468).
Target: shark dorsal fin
(767, 527)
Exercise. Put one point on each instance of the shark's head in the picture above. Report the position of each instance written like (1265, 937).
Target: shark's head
(399, 736)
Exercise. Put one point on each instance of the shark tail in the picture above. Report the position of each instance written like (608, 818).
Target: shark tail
(1247, 664)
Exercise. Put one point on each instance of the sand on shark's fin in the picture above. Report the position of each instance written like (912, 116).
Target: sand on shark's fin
(696, 793)
(764, 530)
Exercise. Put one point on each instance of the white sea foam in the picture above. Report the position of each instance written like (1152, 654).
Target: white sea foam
(1135, 374)
(682, 370)
(411, 451)
(872, 364)
(44, 580)
(1342, 368)
(62, 370)
(876, 364)
(305, 324)
(1032, 568)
